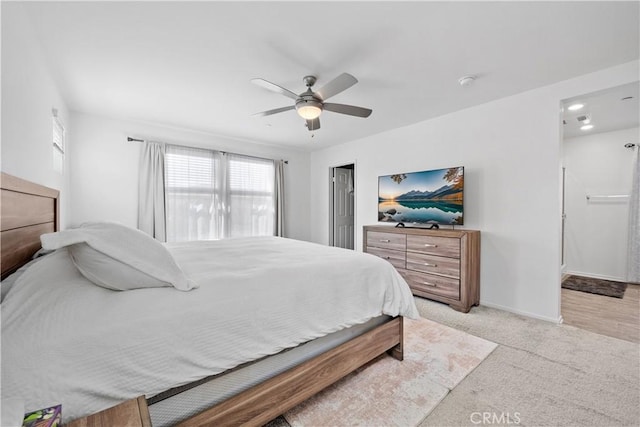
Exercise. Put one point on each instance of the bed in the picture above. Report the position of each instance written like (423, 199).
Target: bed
(248, 369)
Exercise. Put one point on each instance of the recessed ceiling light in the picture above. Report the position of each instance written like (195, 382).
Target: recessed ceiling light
(586, 127)
(575, 107)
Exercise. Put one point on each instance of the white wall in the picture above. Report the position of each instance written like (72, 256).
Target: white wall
(596, 231)
(28, 95)
(104, 169)
(511, 152)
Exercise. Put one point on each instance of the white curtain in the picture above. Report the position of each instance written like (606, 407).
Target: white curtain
(151, 201)
(213, 195)
(633, 252)
(279, 198)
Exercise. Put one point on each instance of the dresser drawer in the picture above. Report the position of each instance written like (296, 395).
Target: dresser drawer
(383, 240)
(441, 246)
(438, 285)
(396, 258)
(433, 264)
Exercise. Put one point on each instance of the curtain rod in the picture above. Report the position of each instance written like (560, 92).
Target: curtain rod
(129, 139)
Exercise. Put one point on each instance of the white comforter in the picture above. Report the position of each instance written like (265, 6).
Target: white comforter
(65, 340)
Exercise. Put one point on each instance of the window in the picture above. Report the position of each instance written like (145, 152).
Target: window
(250, 195)
(213, 195)
(58, 133)
(58, 142)
(190, 194)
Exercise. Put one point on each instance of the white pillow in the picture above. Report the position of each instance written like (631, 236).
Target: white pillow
(117, 257)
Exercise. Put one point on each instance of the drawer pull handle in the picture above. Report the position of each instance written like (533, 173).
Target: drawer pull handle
(430, 265)
(385, 240)
(429, 284)
(428, 245)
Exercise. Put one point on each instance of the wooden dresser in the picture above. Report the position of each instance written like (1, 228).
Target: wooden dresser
(443, 265)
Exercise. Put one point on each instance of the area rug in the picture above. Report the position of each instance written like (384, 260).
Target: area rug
(595, 286)
(387, 392)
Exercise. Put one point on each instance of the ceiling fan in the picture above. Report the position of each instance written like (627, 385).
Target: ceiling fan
(310, 104)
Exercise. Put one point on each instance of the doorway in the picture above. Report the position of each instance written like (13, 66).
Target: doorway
(597, 164)
(342, 206)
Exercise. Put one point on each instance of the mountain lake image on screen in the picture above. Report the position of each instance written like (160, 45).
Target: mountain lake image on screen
(426, 197)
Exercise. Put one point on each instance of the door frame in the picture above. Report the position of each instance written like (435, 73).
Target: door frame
(355, 204)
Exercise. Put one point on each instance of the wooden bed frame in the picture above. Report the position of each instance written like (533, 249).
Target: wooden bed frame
(29, 210)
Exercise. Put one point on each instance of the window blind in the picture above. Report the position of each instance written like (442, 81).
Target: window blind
(214, 195)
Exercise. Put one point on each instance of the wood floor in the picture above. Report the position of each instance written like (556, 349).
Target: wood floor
(614, 317)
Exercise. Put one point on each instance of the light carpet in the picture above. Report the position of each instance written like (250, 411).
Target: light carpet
(548, 374)
(392, 393)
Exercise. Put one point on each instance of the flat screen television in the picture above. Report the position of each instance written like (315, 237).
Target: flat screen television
(425, 197)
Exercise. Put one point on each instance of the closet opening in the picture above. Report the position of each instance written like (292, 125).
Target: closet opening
(600, 243)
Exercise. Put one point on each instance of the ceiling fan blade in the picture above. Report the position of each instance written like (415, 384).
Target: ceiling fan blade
(348, 109)
(274, 88)
(343, 82)
(313, 124)
(274, 111)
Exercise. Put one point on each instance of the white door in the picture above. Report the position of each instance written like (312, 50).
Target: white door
(343, 219)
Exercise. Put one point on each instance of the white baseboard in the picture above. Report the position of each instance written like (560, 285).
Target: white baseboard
(522, 313)
(596, 276)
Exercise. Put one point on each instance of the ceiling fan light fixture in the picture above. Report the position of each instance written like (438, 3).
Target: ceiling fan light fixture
(310, 104)
(308, 109)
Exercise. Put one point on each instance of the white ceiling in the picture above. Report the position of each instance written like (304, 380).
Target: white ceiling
(189, 65)
(608, 110)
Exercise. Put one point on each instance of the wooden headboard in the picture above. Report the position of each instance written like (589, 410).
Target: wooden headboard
(27, 210)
